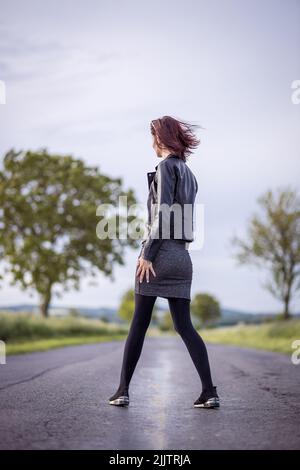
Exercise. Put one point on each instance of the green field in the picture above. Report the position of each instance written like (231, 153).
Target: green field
(273, 336)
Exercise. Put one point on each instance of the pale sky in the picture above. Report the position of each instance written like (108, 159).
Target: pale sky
(87, 77)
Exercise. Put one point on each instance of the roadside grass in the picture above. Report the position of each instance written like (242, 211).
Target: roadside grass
(24, 332)
(25, 326)
(275, 336)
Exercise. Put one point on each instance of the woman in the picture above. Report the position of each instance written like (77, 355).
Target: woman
(164, 267)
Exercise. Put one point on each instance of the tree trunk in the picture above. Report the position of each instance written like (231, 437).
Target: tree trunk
(286, 312)
(44, 306)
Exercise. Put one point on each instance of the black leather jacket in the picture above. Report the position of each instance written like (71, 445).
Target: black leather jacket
(170, 204)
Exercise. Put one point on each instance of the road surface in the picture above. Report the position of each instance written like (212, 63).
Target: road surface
(58, 399)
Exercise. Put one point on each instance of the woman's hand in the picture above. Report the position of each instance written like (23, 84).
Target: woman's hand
(144, 267)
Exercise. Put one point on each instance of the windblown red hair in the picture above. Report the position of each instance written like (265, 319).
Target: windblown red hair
(176, 135)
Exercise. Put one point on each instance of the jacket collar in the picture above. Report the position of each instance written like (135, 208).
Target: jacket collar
(168, 156)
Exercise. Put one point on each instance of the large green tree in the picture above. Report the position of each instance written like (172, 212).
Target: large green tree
(273, 243)
(48, 222)
(205, 308)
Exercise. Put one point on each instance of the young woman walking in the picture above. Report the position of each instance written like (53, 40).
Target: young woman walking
(164, 267)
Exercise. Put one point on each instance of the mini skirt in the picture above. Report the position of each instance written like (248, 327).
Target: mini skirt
(174, 272)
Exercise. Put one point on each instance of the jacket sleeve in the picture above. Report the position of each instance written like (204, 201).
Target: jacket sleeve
(166, 181)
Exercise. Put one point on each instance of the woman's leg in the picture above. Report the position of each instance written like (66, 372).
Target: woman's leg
(134, 343)
(180, 311)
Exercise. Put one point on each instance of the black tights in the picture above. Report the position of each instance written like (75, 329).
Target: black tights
(180, 311)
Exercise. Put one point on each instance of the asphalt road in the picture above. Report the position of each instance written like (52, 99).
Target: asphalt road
(58, 400)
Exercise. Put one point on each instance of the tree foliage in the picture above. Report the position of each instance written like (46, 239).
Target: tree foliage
(166, 322)
(273, 243)
(127, 306)
(48, 222)
(205, 308)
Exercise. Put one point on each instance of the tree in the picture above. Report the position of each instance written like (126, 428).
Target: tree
(127, 306)
(166, 323)
(48, 222)
(273, 243)
(205, 308)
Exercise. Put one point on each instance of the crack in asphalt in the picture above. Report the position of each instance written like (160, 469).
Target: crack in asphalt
(33, 377)
(46, 371)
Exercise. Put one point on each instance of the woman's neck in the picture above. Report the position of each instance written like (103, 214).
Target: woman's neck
(163, 157)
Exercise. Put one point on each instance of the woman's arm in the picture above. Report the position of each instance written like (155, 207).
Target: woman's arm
(166, 181)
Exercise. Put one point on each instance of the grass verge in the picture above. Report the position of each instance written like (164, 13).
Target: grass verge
(275, 336)
(24, 333)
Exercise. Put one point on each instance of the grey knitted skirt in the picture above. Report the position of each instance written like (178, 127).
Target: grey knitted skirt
(174, 271)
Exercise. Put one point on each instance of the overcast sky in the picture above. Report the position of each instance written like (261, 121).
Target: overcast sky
(86, 77)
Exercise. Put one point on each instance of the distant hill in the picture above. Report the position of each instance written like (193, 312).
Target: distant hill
(231, 317)
(108, 313)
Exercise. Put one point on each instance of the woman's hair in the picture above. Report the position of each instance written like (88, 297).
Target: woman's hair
(176, 135)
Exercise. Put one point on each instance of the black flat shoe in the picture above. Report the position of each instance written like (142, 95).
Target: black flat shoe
(208, 400)
(120, 398)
